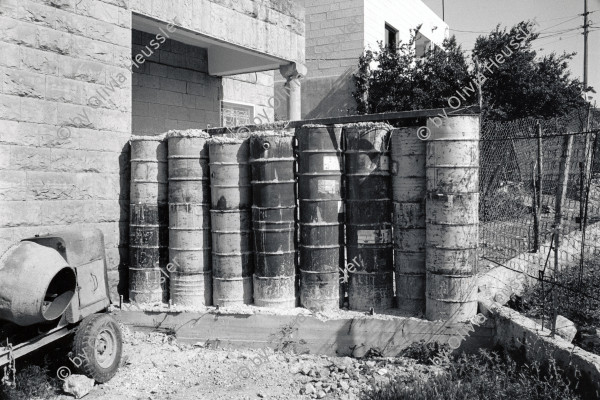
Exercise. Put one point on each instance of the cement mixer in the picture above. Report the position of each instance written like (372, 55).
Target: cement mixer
(53, 286)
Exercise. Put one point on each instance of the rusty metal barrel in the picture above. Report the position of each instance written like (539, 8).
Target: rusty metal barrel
(408, 194)
(148, 220)
(321, 244)
(229, 173)
(368, 216)
(452, 164)
(231, 218)
(273, 218)
(190, 264)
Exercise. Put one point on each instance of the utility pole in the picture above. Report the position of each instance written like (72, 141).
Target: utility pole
(585, 45)
(588, 136)
(444, 10)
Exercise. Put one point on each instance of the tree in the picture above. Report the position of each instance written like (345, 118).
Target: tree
(514, 82)
(401, 81)
(517, 83)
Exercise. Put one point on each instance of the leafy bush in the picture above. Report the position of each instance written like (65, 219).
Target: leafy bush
(33, 382)
(486, 375)
(507, 202)
(424, 353)
(523, 85)
(577, 295)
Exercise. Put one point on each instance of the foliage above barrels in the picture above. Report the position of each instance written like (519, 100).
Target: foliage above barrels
(515, 82)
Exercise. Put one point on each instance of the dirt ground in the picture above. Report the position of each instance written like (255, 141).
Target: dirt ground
(155, 366)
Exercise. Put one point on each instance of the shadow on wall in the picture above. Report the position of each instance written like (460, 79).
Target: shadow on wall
(329, 96)
(322, 97)
(124, 185)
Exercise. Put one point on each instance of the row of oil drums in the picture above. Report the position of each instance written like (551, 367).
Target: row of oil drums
(299, 217)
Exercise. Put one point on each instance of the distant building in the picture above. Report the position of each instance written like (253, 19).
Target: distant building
(337, 33)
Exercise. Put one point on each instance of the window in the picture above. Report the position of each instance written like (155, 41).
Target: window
(236, 114)
(391, 37)
(422, 45)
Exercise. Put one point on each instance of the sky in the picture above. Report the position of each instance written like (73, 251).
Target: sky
(558, 20)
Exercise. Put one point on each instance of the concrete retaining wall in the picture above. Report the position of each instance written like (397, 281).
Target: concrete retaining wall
(343, 336)
(518, 333)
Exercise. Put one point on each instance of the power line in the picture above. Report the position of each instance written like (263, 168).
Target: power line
(333, 59)
(545, 45)
(555, 19)
(560, 32)
(459, 30)
(560, 39)
(560, 23)
(539, 32)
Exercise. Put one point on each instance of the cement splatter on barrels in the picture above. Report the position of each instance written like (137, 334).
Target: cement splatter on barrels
(320, 166)
(233, 261)
(230, 174)
(452, 218)
(148, 218)
(408, 193)
(273, 219)
(369, 216)
(189, 219)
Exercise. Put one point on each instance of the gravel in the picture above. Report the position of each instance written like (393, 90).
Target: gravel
(156, 366)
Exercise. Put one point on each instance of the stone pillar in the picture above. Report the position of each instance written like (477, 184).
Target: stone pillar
(293, 74)
(452, 172)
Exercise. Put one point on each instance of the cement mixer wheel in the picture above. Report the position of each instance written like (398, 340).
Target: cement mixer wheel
(98, 344)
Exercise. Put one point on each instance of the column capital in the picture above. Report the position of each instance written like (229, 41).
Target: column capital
(293, 71)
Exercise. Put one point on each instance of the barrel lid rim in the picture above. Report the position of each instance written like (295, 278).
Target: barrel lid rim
(355, 125)
(187, 133)
(213, 140)
(148, 138)
(321, 126)
(276, 132)
(232, 210)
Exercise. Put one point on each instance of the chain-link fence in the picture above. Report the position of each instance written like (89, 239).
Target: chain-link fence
(527, 212)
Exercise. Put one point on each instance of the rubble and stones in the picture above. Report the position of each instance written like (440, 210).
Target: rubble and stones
(156, 366)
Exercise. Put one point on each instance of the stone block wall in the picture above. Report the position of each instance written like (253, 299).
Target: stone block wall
(334, 35)
(254, 88)
(334, 42)
(171, 88)
(69, 101)
(274, 27)
(65, 119)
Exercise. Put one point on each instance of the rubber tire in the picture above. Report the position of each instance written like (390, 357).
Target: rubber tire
(87, 331)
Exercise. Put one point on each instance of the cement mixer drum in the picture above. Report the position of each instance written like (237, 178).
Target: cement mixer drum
(36, 284)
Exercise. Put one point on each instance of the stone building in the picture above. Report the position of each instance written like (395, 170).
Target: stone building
(79, 77)
(337, 33)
